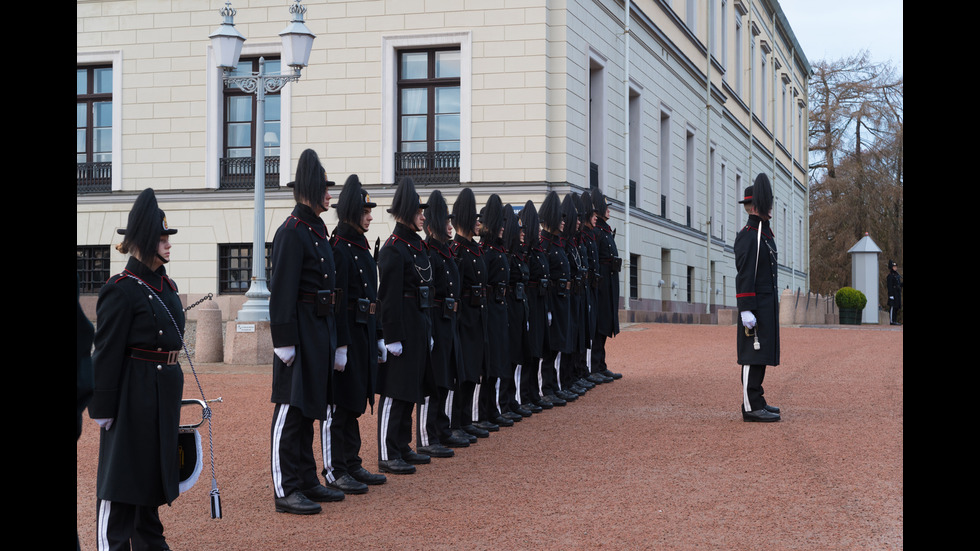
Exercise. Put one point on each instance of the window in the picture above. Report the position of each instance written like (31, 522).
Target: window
(93, 122)
(634, 276)
(235, 267)
(240, 111)
(690, 284)
(665, 182)
(689, 174)
(428, 107)
(635, 147)
(92, 266)
(597, 121)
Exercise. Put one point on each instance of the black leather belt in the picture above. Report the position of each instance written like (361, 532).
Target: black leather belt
(159, 356)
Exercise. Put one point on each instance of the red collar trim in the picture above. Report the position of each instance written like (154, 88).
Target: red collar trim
(320, 235)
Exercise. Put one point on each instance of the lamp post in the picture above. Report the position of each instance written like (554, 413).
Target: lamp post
(297, 42)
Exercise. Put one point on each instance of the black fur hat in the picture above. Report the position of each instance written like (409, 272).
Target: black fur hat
(406, 202)
(532, 228)
(587, 207)
(493, 219)
(570, 213)
(145, 226)
(464, 211)
(352, 201)
(761, 196)
(311, 182)
(551, 213)
(512, 230)
(599, 203)
(437, 216)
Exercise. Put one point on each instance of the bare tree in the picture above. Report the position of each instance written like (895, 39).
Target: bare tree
(856, 169)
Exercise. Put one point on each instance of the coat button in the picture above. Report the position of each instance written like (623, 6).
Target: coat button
(159, 367)
(160, 332)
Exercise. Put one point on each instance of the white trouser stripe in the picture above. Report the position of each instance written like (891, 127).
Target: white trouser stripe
(745, 388)
(496, 395)
(383, 425)
(102, 524)
(540, 378)
(449, 405)
(475, 414)
(588, 359)
(326, 444)
(558, 370)
(279, 421)
(517, 384)
(423, 422)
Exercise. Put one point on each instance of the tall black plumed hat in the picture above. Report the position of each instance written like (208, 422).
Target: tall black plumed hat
(145, 226)
(352, 201)
(762, 194)
(406, 202)
(579, 206)
(493, 218)
(464, 210)
(550, 212)
(532, 228)
(570, 213)
(436, 216)
(512, 230)
(311, 181)
(599, 202)
(587, 206)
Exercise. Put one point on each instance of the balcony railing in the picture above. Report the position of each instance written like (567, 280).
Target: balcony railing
(94, 177)
(239, 173)
(428, 167)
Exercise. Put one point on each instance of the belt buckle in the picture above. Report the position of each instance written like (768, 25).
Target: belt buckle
(172, 357)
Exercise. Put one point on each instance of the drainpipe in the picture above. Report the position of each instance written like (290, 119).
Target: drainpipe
(626, 148)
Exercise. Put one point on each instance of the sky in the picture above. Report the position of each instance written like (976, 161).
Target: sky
(832, 29)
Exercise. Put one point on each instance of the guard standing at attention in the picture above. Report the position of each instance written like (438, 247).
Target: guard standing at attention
(138, 385)
(405, 293)
(756, 295)
(607, 298)
(498, 353)
(355, 365)
(303, 297)
(895, 288)
(559, 299)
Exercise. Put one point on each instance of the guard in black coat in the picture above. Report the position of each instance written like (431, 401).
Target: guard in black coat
(406, 295)
(895, 287)
(538, 286)
(355, 365)
(559, 299)
(434, 414)
(508, 396)
(578, 322)
(756, 294)
(607, 297)
(498, 276)
(589, 240)
(138, 385)
(472, 314)
(302, 302)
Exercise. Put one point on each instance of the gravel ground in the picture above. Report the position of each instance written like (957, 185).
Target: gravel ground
(657, 460)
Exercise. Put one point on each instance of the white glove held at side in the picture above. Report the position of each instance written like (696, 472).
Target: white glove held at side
(748, 319)
(287, 354)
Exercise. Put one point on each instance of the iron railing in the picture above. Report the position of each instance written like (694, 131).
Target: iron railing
(239, 173)
(428, 167)
(94, 177)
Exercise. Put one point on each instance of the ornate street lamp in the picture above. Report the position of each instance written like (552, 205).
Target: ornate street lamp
(297, 42)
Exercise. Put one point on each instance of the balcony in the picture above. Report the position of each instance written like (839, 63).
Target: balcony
(239, 173)
(428, 167)
(94, 177)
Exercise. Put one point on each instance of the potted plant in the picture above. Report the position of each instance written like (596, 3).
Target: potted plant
(851, 303)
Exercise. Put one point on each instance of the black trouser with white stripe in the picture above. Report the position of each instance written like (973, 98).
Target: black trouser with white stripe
(598, 353)
(752, 376)
(432, 421)
(117, 523)
(394, 428)
(462, 405)
(293, 464)
(344, 444)
(549, 373)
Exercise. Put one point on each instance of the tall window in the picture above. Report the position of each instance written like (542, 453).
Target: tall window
(235, 267)
(93, 134)
(240, 113)
(428, 115)
(92, 267)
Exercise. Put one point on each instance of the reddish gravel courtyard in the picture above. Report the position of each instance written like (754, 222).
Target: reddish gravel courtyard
(657, 460)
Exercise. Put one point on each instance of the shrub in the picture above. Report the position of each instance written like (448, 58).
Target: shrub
(849, 297)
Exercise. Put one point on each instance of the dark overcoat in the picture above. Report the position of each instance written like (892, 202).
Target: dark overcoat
(357, 275)
(607, 299)
(498, 276)
(756, 291)
(404, 267)
(517, 308)
(578, 326)
(303, 264)
(537, 302)
(590, 257)
(446, 360)
(472, 309)
(138, 461)
(559, 293)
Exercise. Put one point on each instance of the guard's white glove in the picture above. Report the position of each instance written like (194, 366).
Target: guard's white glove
(549, 319)
(286, 353)
(891, 298)
(340, 359)
(382, 352)
(432, 344)
(527, 326)
(748, 319)
(104, 423)
(395, 348)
